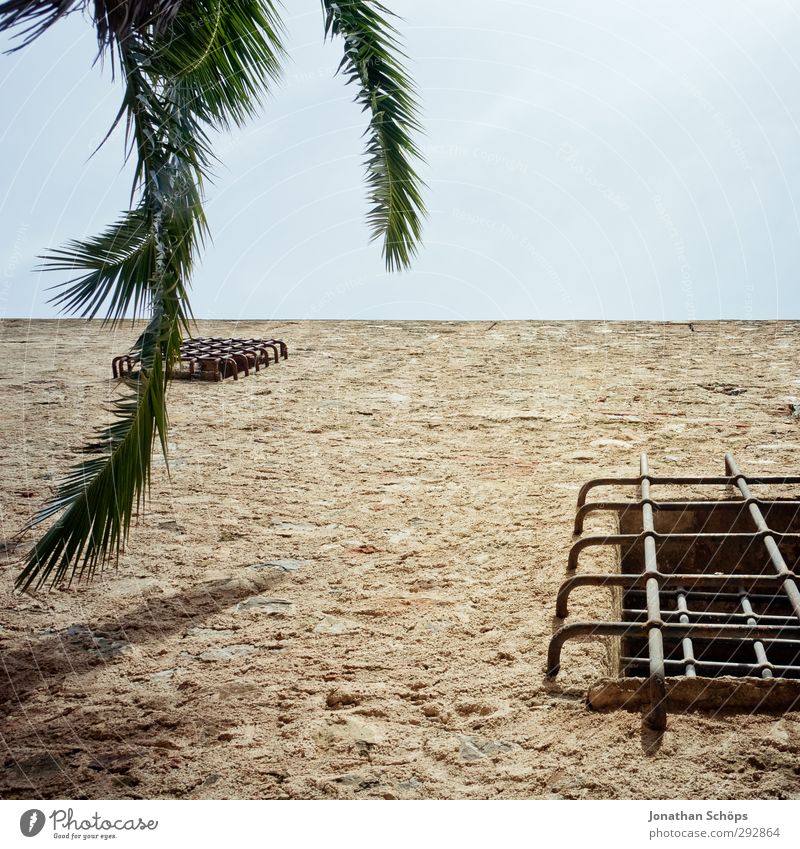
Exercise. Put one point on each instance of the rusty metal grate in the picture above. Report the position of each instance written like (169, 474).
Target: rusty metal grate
(706, 588)
(210, 358)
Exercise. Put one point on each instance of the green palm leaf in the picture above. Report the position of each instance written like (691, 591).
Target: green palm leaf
(117, 265)
(373, 62)
(224, 56)
(189, 67)
(115, 20)
(93, 499)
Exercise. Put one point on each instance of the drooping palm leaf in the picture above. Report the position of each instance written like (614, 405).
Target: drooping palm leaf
(189, 67)
(117, 266)
(117, 19)
(224, 56)
(114, 20)
(373, 62)
(148, 255)
(93, 498)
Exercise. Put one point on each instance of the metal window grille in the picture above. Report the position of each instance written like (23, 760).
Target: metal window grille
(707, 587)
(209, 358)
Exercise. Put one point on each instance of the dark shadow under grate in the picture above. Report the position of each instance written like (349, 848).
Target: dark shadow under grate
(706, 588)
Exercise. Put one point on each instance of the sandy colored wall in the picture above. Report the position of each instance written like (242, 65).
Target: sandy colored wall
(417, 483)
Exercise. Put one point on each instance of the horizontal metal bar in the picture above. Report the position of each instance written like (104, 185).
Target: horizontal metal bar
(702, 480)
(633, 539)
(793, 638)
(639, 580)
(676, 630)
(688, 505)
(714, 664)
(733, 598)
(714, 615)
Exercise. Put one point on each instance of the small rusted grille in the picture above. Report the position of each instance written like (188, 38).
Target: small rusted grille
(707, 588)
(210, 358)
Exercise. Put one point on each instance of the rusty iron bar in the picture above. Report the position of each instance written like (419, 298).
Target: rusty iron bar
(666, 581)
(695, 630)
(715, 617)
(621, 539)
(656, 717)
(730, 597)
(768, 536)
(723, 666)
(215, 358)
(622, 506)
(278, 346)
(121, 365)
(702, 480)
(696, 596)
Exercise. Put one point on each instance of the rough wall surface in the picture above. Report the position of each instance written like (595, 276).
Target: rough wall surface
(347, 585)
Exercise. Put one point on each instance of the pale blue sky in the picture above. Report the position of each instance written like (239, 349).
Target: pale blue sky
(586, 159)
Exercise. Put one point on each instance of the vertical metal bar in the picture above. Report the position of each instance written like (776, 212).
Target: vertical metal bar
(789, 585)
(761, 653)
(657, 715)
(686, 643)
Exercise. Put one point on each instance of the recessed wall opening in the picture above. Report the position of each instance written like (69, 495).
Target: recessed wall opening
(739, 553)
(707, 590)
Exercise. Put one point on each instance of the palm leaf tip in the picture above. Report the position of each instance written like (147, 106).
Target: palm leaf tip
(95, 503)
(114, 20)
(207, 71)
(372, 61)
(117, 19)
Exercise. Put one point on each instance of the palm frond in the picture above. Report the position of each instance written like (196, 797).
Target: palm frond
(373, 61)
(93, 498)
(115, 20)
(190, 67)
(224, 56)
(97, 499)
(151, 251)
(117, 266)
(34, 16)
(207, 70)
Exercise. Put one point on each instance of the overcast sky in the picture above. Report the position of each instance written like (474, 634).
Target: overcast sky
(586, 159)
